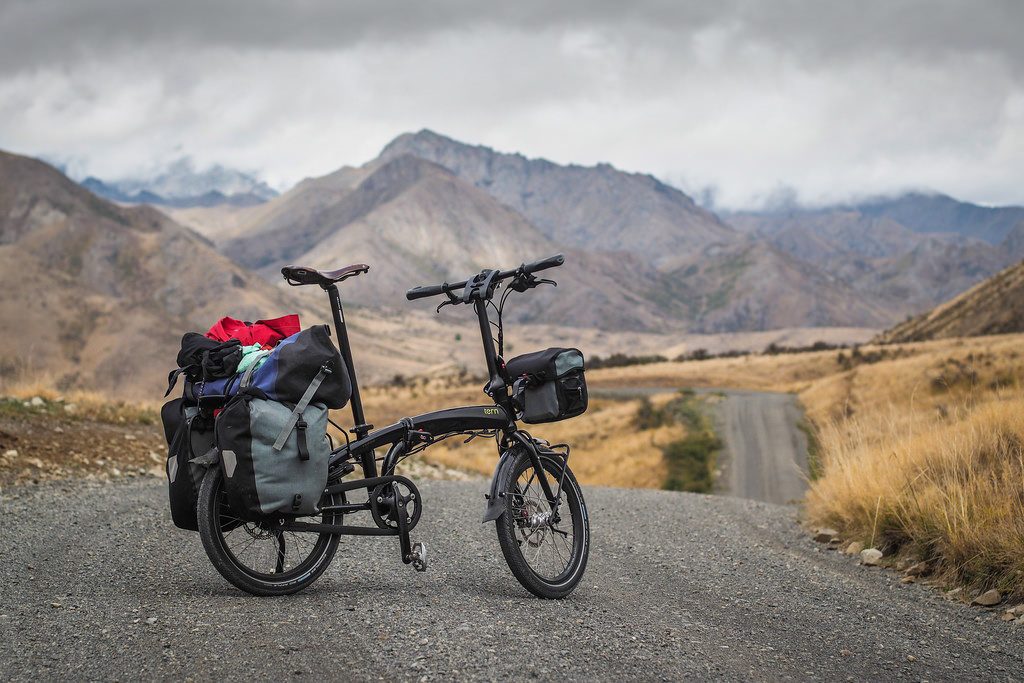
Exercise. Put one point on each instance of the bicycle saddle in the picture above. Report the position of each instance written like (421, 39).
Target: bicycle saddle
(300, 275)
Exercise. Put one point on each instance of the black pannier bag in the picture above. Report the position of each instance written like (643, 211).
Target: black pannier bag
(189, 434)
(289, 369)
(548, 385)
(274, 455)
(293, 364)
(204, 359)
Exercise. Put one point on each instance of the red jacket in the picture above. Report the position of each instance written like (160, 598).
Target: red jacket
(266, 333)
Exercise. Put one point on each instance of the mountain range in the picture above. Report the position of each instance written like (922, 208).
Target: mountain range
(181, 185)
(643, 255)
(646, 256)
(99, 293)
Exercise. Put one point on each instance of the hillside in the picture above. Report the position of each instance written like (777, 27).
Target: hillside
(100, 293)
(97, 296)
(416, 223)
(596, 207)
(642, 256)
(995, 306)
(888, 254)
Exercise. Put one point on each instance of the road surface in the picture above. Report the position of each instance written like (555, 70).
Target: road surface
(765, 453)
(679, 586)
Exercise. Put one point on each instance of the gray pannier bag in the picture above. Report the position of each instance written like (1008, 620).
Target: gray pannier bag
(548, 385)
(274, 455)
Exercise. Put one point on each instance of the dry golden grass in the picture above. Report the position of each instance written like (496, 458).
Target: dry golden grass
(920, 446)
(950, 494)
(922, 454)
(91, 405)
(607, 449)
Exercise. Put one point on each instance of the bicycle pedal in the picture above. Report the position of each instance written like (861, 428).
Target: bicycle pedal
(419, 556)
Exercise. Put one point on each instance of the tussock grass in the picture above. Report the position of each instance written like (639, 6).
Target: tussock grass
(950, 494)
(923, 455)
(77, 403)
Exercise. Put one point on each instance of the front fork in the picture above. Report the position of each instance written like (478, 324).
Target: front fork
(495, 498)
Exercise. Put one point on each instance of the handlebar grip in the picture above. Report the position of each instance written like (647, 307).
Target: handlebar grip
(423, 292)
(544, 264)
(432, 290)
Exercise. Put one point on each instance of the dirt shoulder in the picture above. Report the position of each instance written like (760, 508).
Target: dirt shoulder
(45, 439)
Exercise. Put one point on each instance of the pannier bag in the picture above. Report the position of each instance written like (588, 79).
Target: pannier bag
(189, 435)
(548, 385)
(204, 359)
(289, 369)
(274, 455)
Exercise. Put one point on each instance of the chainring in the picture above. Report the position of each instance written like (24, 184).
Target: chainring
(385, 511)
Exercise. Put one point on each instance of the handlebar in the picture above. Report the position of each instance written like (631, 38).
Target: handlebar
(526, 269)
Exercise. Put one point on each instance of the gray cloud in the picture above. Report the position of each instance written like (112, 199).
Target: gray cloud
(833, 99)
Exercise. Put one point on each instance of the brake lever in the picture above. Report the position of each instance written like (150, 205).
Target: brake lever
(452, 299)
(525, 281)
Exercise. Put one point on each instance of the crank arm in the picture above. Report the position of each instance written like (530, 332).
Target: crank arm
(403, 527)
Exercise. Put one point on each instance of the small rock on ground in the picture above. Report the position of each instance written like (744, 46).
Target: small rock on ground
(989, 598)
(870, 557)
(825, 535)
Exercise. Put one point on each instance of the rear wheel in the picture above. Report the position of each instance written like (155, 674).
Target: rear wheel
(547, 552)
(254, 557)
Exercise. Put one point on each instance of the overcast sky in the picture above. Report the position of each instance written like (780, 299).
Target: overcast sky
(748, 99)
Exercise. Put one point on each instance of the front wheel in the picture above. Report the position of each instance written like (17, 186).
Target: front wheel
(546, 550)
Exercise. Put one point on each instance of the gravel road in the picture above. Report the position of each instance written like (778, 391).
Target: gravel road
(679, 586)
(765, 452)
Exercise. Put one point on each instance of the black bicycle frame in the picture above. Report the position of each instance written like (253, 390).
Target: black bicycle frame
(410, 432)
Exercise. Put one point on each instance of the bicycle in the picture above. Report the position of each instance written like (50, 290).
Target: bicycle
(534, 499)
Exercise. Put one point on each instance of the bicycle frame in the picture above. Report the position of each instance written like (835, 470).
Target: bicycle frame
(411, 432)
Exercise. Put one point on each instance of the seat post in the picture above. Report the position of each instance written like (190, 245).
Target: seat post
(361, 429)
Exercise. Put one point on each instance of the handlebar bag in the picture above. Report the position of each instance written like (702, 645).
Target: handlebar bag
(189, 434)
(549, 385)
(274, 455)
(288, 369)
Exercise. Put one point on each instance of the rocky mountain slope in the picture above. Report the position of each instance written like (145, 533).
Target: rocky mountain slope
(995, 306)
(930, 213)
(905, 254)
(95, 295)
(596, 207)
(416, 223)
(94, 292)
(642, 256)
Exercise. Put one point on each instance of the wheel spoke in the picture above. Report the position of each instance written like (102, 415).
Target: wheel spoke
(546, 548)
